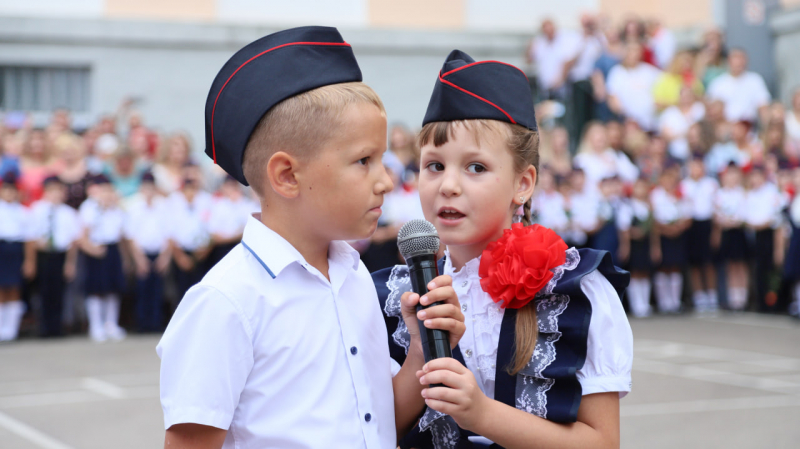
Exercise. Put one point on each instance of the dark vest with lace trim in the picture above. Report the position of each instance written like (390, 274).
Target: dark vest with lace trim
(564, 396)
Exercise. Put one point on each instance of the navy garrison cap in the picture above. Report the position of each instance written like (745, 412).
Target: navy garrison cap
(492, 90)
(263, 74)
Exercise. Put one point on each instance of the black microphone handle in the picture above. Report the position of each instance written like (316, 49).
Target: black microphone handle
(435, 342)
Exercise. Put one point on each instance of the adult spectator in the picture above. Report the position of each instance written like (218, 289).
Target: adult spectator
(554, 152)
(612, 54)
(169, 170)
(634, 31)
(630, 88)
(579, 68)
(599, 161)
(125, 172)
(744, 93)
(662, 41)
(675, 121)
(793, 121)
(34, 165)
(72, 168)
(711, 61)
(550, 52)
(679, 74)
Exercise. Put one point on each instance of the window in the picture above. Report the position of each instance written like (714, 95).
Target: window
(44, 88)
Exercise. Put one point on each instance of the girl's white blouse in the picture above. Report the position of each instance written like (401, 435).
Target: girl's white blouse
(609, 356)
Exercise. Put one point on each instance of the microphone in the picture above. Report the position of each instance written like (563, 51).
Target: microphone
(418, 243)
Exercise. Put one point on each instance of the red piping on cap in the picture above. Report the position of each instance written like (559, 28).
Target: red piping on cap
(478, 97)
(214, 108)
(484, 62)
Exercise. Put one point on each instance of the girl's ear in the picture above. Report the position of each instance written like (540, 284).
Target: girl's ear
(526, 182)
(281, 172)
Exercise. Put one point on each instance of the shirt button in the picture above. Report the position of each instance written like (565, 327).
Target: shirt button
(354, 350)
(464, 284)
(468, 352)
(367, 417)
(463, 307)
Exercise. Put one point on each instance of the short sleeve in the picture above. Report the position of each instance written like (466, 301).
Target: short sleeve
(614, 81)
(206, 356)
(394, 366)
(609, 352)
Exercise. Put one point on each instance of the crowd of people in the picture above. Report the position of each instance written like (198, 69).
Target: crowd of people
(677, 161)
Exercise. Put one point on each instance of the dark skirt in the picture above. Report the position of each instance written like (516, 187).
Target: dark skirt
(104, 274)
(606, 239)
(791, 264)
(698, 239)
(733, 245)
(673, 252)
(639, 260)
(11, 257)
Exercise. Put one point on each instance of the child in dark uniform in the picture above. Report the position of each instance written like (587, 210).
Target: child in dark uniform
(763, 205)
(228, 217)
(640, 240)
(729, 216)
(51, 255)
(14, 231)
(103, 223)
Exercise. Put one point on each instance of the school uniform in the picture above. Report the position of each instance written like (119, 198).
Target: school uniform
(585, 345)
(668, 208)
(227, 218)
(607, 237)
(55, 227)
(637, 215)
(105, 280)
(14, 232)
(189, 232)
(763, 207)
(791, 265)
(730, 205)
(147, 226)
(549, 209)
(699, 195)
(277, 354)
(584, 215)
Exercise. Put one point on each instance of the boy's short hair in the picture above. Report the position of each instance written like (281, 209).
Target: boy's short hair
(301, 124)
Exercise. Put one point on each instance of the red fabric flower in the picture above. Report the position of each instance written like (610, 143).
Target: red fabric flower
(515, 267)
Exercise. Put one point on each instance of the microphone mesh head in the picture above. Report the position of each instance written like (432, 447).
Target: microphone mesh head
(417, 237)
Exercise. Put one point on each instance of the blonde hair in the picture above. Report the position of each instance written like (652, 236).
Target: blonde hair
(68, 140)
(300, 124)
(163, 152)
(524, 147)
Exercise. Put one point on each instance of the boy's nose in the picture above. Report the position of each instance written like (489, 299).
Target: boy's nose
(384, 184)
(450, 185)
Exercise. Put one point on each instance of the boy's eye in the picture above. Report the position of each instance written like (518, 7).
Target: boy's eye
(435, 166)
(476, 168)
(363, 160)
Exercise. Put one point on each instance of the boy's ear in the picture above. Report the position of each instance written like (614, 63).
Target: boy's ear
(526, 182)
(281, 171)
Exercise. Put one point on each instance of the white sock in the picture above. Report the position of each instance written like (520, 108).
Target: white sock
(14, 312)
(661, 281)
(634, 298)
(700, 301)
(112, 318)
(711, 297)
(676, 290)
(737, 298)
(4, 320)
(94, 312)
(639, 298)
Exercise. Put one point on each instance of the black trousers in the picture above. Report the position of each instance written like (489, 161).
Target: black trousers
(764, 266)
(149, 300)
(50, 270)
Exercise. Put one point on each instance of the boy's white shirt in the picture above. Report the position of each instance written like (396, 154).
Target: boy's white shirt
(105, 226)
(148, 224)
(263, 347)
(16, 223)
(64, 218)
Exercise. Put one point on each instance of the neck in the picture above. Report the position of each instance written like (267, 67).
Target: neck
(461, 254)
(287, 223)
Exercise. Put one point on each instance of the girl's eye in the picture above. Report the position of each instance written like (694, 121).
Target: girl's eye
(476, 168)
(363, 160)
(435, 166)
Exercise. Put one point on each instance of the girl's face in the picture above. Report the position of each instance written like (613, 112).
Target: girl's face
(8, 194)
(468, 186)
(731, 177)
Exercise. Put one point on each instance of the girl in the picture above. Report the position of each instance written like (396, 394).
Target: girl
(639, 236)
(729, 217)
(103, 223)
(13, 234)
(672, 219)
(699, 190)
(598, 160)
(479, 151)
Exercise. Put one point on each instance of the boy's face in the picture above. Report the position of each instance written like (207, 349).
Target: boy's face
(8, 193)
(696, 168)
(344, 184)
(55, 192)
(467, 187)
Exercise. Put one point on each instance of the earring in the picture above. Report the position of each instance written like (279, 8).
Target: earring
(522, 199)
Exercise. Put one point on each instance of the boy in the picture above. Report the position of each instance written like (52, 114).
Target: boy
(228, 217)
(283, 343)
(51, 254)
(146, 230)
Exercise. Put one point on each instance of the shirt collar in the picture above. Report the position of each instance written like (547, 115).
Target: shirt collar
(276, 253)
(470, 269)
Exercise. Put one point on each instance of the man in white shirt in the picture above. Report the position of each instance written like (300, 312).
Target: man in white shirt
(587, 49)
(630, 88)
(744, 93)
(662, 41)
(550, 52)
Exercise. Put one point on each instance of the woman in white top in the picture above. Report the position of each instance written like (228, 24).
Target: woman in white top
(599, 161)
(675, 121)
(173, 157)
(630, 88)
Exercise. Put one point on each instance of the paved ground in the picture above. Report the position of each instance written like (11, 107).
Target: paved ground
(731, 381)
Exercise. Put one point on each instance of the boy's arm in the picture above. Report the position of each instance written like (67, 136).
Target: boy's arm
(194, 436)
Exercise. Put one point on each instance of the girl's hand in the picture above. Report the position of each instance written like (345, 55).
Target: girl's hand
(446, 316)
(464, 400)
